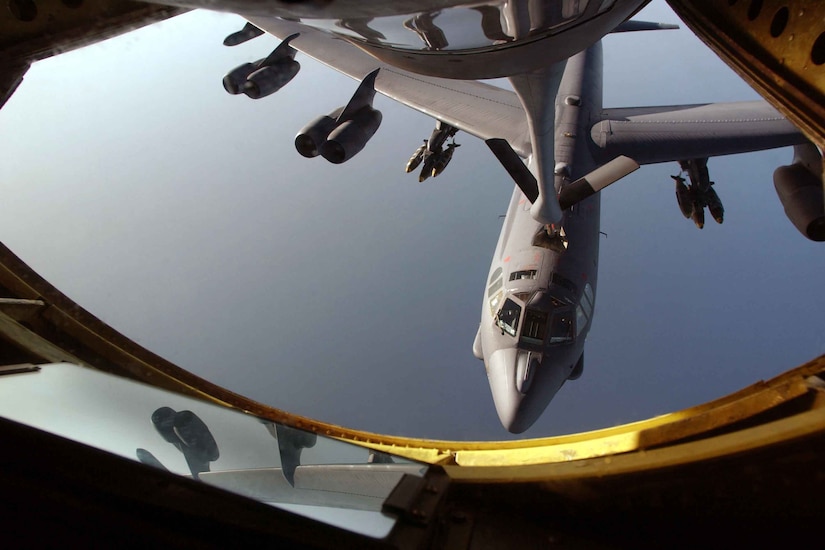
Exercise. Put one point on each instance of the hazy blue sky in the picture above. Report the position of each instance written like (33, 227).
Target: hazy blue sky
(184, 217)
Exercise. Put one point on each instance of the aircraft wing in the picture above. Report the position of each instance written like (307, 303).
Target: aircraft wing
(477, 108)
(680, 132)
(645, 134)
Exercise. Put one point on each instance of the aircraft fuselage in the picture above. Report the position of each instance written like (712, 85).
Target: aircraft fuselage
(538, 299)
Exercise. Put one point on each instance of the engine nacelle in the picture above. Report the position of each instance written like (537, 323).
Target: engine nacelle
(800, 192)
(234, 81)
(247, 33)
(309, 140)
(345, 131)
(270, 79)
(348, 138)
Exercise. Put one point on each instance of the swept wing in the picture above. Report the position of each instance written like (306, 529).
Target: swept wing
(645, 134)
(477, 108)
(661, 134)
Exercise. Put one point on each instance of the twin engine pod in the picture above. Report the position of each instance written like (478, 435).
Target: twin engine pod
(265, 76)
(256, 81)
(335, 139)
(340, 135)
(799, 187)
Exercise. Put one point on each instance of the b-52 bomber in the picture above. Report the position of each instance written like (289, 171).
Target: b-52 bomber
(551, 133)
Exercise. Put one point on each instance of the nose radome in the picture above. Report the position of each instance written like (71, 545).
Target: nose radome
(501, 371)
(518, 410)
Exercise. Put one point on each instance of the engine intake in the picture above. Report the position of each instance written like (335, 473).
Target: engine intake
(799, 187)
(268, 80)
(264, 76)
(348, 138)
(801, 195)
(234, 81)
(340, 135)
(309, 140)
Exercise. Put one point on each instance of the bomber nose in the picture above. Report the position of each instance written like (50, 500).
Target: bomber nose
(522, 386)
(501, 372)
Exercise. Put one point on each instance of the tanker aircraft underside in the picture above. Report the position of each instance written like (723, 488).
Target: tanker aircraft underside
(551, 134)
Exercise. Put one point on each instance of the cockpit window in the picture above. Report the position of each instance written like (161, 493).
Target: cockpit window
(535, 326)
(562, 326)
(606, 5)
(526, 274)
(564, 282)
(508, 316)
(584, 311)
(494, 288)
(573, 8)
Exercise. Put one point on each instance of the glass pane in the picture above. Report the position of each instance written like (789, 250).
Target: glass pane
(561, 327)
(581, 319)
(495, 287)
(526, 274)
(311, 475)
(508, 317)
(535, 325)
(588, 295)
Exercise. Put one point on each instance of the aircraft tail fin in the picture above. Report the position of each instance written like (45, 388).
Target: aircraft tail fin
(633, 26)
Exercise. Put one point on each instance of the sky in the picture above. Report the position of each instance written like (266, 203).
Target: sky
(185, 218)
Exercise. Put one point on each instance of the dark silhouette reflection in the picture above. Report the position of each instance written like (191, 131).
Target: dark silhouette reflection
(491, 24)
(188, 434)
(432, 36)
(291, 443)
(377, 457)
(361, 27)
(149, 459)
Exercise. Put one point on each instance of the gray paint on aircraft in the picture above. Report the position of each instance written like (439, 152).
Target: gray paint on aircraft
(511, 360)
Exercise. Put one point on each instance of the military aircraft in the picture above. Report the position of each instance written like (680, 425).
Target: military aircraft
(116, 499)
(551, 134)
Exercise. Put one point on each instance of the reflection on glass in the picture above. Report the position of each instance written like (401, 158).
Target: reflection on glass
(508, 316)
(324, 479)
(581, 319)
(424, 26)
(573, 8)
(525, 274)
(535, 326)
(584, 311)
(456, 28)
(561, 326)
